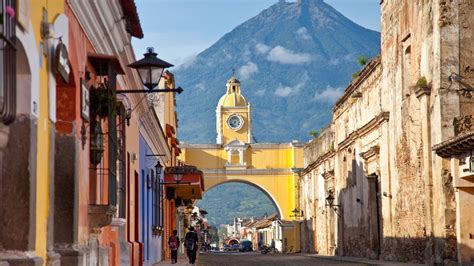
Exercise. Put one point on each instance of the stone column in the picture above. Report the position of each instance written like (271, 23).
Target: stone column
(241, 156)
(424, 96)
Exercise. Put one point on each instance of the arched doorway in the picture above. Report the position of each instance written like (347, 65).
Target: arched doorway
(18, 177)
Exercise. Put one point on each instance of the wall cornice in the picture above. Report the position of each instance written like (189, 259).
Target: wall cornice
(354, 85)
(221, 172)
(99, 17)
(365, 129)
(318, 162)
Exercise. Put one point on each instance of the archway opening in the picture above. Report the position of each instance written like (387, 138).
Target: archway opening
(233, 207)
(236, 199)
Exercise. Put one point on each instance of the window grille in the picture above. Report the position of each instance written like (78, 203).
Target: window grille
(7, 61)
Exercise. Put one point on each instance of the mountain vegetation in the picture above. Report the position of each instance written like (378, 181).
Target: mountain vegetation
(230, 200)
(294, 59)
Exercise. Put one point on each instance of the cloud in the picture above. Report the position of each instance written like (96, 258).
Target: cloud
(247, 70)
(187, 62)
(284, 91)
(247, 55)
(287, 90)
(303, 34)
(260, 92)
(200, 86)
(282, 55)
(262, 48)
(330, 94)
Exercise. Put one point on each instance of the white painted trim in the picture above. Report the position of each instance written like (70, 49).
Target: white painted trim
(274, 171)
(99, 17)
(28, 42)
(253, 145)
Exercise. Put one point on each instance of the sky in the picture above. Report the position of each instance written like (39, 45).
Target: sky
(180, 29)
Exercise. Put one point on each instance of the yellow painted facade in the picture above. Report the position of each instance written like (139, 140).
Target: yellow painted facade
(43, 176)
(271, 167)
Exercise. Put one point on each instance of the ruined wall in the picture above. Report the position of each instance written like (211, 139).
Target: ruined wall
(356, 126)
(397, 197)
(418, 50)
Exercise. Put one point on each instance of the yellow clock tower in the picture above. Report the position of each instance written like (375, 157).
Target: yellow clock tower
(271, 167)
(233, 116)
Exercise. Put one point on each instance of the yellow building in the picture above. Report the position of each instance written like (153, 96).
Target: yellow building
(271, 167)
(27, 140)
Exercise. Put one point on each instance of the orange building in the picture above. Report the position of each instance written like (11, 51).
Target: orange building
(191, 186)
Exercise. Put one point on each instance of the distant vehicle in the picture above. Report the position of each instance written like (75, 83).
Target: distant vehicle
(245, 245)
(234, 247)
(226, 247)
(266, 249)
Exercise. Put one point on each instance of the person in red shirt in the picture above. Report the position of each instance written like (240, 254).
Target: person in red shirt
(173, 243)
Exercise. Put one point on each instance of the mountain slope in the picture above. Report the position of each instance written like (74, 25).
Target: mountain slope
(230, 200)
(293, 60)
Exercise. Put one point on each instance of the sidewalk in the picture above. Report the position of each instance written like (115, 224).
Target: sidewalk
(361, 260)
(182, 260)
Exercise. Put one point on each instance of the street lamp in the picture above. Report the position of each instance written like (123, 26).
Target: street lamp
(178, 176)
(296, 213)
(330, 201)
(150, 69)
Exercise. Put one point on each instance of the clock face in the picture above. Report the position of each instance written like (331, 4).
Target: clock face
(235, 122)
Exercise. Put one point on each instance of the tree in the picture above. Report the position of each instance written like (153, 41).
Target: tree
(314, 133)
(363, 60)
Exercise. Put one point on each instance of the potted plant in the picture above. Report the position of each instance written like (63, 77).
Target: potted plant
(101, 100)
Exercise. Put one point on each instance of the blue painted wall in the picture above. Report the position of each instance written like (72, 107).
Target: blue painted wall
(152, 245)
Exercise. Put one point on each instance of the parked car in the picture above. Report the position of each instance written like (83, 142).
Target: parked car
(245, 245)
(234, 247)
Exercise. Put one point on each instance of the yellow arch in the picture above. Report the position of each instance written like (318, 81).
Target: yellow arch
(273, 168)
(243, 181)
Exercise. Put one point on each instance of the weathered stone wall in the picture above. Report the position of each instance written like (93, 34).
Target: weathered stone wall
(356, 126)
(396, 196)
(318, 146)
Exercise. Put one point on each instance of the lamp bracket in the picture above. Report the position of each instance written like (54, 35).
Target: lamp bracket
(179, 90)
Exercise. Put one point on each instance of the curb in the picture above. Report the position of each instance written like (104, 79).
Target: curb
(360, 260)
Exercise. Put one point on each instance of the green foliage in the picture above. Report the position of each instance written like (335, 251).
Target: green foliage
(101, 99)
(230, 200)
(363, 60)
(355, 75)
(422, 82)
(314, 133)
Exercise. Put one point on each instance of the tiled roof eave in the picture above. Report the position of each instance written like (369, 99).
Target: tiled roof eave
(461, 144)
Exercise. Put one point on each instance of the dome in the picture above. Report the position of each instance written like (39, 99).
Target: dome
(232, 99)
(233, 80)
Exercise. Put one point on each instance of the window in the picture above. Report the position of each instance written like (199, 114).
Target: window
(7, 61)
(406, 71)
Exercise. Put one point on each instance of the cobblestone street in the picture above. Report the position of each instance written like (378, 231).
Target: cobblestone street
(254, 258)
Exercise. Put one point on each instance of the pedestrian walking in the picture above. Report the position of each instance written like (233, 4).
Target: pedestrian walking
(173, 243)
(191, 244)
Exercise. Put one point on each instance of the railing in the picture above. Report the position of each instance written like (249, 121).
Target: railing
(7, 61)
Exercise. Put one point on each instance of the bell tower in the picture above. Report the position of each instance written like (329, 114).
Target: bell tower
(233, 121)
